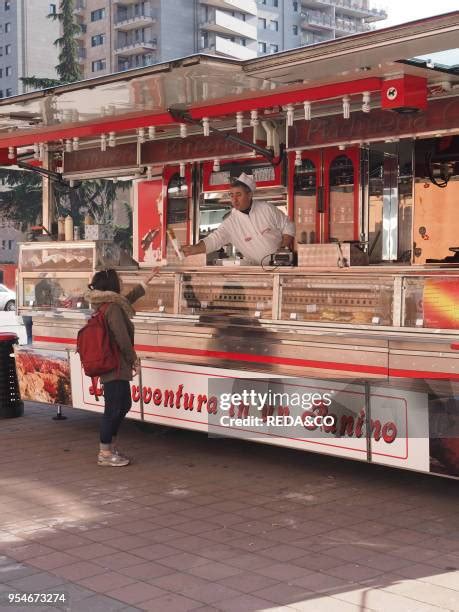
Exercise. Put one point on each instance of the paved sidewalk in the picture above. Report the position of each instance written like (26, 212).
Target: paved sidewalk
(215, 524)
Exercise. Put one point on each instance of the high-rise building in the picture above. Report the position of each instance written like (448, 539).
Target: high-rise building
(26, 43)
(120, 34)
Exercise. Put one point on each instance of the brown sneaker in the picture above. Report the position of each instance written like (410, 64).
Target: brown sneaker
(113, 459)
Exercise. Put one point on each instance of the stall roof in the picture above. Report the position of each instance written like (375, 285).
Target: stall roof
(211, 85)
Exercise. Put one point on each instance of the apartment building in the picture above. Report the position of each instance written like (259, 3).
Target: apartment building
(117, 35)
(26, 43)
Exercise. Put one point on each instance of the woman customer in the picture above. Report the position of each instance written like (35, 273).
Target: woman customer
(105, 288)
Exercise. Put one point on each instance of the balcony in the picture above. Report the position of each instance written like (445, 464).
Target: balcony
(356, 8)
(243, 6)
(82, 32)
(134, 21)
(135, 46)
(223, 23)
(316, 20)
(227, 48)
(350, 27)
(128, 63)
(312, 39)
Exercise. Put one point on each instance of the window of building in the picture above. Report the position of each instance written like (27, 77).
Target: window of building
(7, 5)
(295, 7)
(275, 2)
(274, 25)
(261, 47)
(1, 93)
(1, 51)
(7, 49)
(10, 245)
(262, 23)
(273, 48)
(97, 40)
(52, 9)
(8, 71)
(244, 42)
(1, 72)
(99, 65)
(263, 1)
(98, 14)
(7, 27)
(295, 30)
(8, 92)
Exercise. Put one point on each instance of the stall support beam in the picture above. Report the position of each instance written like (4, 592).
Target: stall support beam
(47, 196)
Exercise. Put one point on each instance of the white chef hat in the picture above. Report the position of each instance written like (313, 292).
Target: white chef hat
(248, 180)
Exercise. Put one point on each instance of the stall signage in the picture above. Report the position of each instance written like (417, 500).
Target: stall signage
(264, 173)
(192, 148)
(259, 174)
(121, 156)
(328, 417)
(440, 114)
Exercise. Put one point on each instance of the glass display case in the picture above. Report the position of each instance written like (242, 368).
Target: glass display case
(55, 275)
(159, 295)
(334, 299)
(75, 256)
(251, 295)
(50, 290)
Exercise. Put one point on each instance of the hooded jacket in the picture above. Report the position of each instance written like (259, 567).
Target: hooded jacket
(118, 317)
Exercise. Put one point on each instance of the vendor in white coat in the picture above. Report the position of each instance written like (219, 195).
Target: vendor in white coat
(256, 229)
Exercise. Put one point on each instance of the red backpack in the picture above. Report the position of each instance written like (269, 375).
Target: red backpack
(98, 354)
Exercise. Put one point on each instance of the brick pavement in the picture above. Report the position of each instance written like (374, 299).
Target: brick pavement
(216, 524)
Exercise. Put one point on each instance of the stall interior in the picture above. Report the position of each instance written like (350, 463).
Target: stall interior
(436, 195)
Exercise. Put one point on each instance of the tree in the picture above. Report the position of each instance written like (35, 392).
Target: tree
(23, 201)
(68, 69)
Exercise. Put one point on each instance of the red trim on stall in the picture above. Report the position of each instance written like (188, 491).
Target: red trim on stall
(86, 129)
(218, 108)
(268, 359)
(320, 92)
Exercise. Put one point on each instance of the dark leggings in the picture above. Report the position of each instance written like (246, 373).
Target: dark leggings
(117, 394)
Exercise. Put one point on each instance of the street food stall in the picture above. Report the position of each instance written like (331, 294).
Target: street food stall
(357, 140)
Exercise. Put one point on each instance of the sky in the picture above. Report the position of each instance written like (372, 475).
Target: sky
(401, 11)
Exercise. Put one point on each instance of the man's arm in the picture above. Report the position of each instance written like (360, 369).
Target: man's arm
(211, 243)
(194, 249)
(287, 228)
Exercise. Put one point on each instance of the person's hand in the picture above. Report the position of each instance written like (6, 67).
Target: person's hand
(136, 367)
(155, 272)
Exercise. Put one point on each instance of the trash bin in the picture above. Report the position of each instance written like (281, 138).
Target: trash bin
(10, 402)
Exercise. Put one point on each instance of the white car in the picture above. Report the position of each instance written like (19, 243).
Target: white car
(7, 298)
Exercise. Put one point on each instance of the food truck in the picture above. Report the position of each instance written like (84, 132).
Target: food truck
(357, 140)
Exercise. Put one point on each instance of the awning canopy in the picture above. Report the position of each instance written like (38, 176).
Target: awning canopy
(216, 87)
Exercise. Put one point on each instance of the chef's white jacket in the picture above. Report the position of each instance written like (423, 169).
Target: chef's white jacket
(255, 235)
